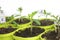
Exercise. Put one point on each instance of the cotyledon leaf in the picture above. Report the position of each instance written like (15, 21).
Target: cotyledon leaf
(37, 22)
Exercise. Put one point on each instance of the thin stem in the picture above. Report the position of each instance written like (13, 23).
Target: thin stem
(20, 9)
(46, 17)
(31, 26)
(20, 16)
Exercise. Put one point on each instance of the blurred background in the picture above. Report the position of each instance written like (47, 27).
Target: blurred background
(10, 6)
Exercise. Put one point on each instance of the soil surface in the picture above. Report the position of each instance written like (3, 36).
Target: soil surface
(50, 35)
(28, 33)
(6, 30)
(44, 22)
(22, 21)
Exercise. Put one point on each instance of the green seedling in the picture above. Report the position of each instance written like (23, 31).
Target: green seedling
(57, 22)
(21, 17)
(45, 13)
(20, 10)
(30, 16)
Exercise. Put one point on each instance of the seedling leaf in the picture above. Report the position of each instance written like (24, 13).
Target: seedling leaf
(33, 13)
(44, 11)
(37, 22)
(20, 9)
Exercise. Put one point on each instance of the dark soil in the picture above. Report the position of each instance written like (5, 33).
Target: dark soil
(50, 36)
(44, 22)
(6, 30)
(27, 32)
(22, 21)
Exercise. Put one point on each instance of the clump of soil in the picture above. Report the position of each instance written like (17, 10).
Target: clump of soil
(50, 35)
(27, 32)
(44, 22)
(22, 21)
(6, 30)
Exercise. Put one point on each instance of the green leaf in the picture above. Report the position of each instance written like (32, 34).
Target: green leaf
(56, 17)
(20, 9)
(30, 16)
(37, 22)
(45, 12)
(33, 13)
(15, 23)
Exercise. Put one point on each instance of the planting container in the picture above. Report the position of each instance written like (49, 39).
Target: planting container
(38, 37)
(47, 27)
(46, 31)
(21, 25)
(7, 36)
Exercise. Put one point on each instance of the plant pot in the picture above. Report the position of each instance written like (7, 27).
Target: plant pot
(45, 24)
(24, 24)
(6, 33)
(28, 35)
(49, 35)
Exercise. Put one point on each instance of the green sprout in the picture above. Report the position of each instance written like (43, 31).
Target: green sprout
(55, 21)
(20, 10)
(30, 16)
(57, 24)
(45, 13)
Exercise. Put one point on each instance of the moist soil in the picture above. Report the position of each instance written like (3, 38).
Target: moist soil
(28, 33)
(50, 35)
(22, 21)
(6, 30)
(44, 22)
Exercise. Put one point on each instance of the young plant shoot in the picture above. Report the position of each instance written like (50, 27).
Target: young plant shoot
(57, 25)
(20, 10)
(55, 21)
(46, 14)
(30, 16)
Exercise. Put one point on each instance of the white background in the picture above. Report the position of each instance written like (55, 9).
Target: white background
(10, 6)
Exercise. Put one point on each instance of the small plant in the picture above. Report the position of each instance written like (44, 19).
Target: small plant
(57, 25)
(20, 16)
(20, 9)
(56, 21)
(30, 16)
(43, 12)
